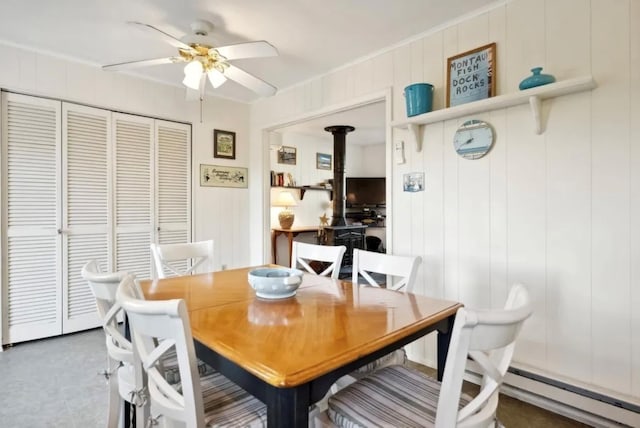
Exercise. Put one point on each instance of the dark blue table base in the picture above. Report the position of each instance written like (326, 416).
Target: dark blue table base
(289, 407)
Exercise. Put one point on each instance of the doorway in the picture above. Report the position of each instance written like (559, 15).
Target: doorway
(300, 163)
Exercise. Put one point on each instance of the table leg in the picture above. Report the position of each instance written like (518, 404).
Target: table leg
(444, 338)
(288, 407)
(290, 235)
(274, 236)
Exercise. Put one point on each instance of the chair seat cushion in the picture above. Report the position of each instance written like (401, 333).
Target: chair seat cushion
(399, 356)
(392, 396)
(171, 371)
(226, 404)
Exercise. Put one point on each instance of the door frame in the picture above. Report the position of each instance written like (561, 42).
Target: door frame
(385, 96)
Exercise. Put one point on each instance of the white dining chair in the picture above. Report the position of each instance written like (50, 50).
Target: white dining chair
(401, 396)
(402, 270)
(119, 371)
(182, 259)
(303, 254)
(161, 326)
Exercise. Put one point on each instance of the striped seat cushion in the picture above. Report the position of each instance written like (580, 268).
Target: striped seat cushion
(399, 356)
(394, 396)
(171, 372)
(228, 405)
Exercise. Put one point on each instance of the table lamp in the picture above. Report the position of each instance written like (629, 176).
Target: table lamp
(286, 216)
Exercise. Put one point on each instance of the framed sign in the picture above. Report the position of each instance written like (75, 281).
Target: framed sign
(223, 176)
(287, 155)
(323, 161)
(413, 182)
(471, 75)
(224, 144)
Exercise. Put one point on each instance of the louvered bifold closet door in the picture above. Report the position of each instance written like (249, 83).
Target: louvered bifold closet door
(133, 138)
(86, 134)
(30, 218)
(173, 184)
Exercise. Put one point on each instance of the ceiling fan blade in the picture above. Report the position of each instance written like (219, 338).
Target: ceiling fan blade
(144, 63)
(257, 49)
(250, 81)
(159, 33)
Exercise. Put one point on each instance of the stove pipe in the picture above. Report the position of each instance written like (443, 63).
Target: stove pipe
(339, 133)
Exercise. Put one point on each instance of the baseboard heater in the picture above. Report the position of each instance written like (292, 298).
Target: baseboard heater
(574, 402)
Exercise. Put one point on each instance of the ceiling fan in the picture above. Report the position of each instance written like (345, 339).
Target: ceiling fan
(203, 60)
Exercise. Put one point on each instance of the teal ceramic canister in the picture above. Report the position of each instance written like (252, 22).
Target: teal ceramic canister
(419, 98)
(537, 79)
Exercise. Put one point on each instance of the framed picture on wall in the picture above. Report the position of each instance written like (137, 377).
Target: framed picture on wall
(224, 144)
(223, 176)
(471, 75)
(323, 161)
(413, 182)
(287, 155)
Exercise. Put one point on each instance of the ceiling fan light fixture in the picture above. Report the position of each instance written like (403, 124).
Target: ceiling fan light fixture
(192, 74)
(216, 78)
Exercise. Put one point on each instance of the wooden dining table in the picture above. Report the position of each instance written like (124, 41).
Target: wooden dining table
(289, 352)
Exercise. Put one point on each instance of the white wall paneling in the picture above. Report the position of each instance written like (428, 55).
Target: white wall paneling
(610, 125)
(555, 211)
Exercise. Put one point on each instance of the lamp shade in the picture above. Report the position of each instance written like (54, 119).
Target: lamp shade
(284, 199)
(216, 78)
(192, 74)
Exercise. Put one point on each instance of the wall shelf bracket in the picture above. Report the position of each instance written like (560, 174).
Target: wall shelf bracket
(536, 110)
(415, 130)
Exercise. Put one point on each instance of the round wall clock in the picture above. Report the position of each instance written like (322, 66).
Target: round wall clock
(473, 139)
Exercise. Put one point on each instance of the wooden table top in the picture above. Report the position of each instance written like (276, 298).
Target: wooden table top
(327, 324)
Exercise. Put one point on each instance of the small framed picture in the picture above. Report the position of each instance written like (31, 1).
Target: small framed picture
(471, 75)
(224, 144)
(323, 161)
(287, 155)
(413, 182)
(223, 176)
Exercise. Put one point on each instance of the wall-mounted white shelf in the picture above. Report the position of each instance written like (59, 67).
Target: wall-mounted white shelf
(533, 96)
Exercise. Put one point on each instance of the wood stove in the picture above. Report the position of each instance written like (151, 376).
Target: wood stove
(339, 233)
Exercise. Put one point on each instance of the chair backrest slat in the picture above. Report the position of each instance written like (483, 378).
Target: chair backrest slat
(200, 253)
(302, 253)
(403, 267)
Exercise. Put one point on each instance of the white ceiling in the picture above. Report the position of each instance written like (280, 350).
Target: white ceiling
(312, 36)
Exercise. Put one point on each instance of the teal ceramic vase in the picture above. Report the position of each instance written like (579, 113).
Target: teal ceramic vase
(537, 79)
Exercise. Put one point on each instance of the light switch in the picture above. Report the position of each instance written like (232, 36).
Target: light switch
(399, 152)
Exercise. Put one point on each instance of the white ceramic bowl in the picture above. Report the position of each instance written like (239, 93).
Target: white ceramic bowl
(275, 283)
